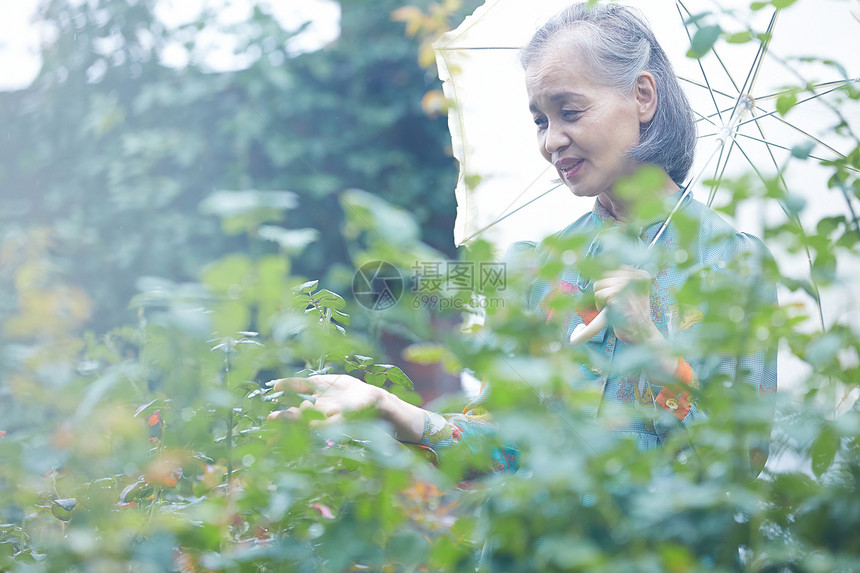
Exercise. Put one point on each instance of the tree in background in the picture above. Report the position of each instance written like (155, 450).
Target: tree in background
(113, 152)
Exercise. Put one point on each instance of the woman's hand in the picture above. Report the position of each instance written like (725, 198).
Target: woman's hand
(627, 293)
(335, 394)
(331, 394)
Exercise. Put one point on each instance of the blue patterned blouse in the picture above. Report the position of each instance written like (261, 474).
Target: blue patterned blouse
(731, 257)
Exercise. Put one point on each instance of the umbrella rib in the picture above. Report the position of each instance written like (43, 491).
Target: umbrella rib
(719, 178)
(810, 136)
(678, 5)
(482, 230)
(705, 118)
(794, 218)
(802, 132)
(705, 87)
(749, 82)
(816, 95)
(836, 83)
(844, 193)
(829, 105)
(706, 135)
(719, 59)
(765, 45)
(760, 129)
(778, 146)
(775, 116)
(708, 118)
(725, 69)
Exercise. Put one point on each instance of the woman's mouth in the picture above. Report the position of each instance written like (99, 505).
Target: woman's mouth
(568, 168)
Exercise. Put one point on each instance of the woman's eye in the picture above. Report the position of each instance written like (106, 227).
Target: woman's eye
(540, 122)
(571, 115)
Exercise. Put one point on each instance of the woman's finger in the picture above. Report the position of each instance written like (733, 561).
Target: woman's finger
(306, 404)
(627, 273)
(293, 385)
(608, 280)
(287, 414)
(607, 293)
(335, 418)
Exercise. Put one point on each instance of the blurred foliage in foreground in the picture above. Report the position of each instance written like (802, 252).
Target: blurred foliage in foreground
(146, 448)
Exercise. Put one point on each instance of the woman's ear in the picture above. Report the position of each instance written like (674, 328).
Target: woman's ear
(645, 92)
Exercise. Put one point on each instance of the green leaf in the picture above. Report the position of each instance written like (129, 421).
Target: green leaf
(293, 241)
(376, 368)
(472, 181)
(704, 40)
(739, 38)
(794, 203)
(397, 376)
(307, 287)
(696, 17)
(759, 5)
(341, 317)
(230, 316)
(824, 269)
(329, 299)
(785, 102)
(223, 275)
(375, 379)
(311, 415)
(62, 508)
(823, 349)
(232, 203)
(827, 225)
(780, 4)
(425, 353)
(408, 548)
(350, 464)
(367, 212)
(803, 150)
(823, 450)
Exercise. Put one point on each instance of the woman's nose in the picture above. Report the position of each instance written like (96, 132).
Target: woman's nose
(556, 138)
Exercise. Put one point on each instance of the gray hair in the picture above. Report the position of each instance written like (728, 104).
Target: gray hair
(619, 45)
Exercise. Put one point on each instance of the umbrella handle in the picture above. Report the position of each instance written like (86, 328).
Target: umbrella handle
(585, 332)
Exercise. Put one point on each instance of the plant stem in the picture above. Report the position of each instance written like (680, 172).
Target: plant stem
(229, 420)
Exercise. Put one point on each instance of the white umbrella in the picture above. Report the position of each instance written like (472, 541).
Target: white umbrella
(502, 192)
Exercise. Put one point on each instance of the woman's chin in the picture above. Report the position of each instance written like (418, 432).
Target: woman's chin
(580, 191)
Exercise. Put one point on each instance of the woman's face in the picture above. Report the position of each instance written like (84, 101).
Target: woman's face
(585, 128)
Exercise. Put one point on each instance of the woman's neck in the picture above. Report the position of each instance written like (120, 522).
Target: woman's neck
(620, 208)
(617, 208)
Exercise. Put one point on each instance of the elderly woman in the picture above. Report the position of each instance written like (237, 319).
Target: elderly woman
(605, 102)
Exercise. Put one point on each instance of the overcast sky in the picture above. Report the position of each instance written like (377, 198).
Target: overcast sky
(20, 37)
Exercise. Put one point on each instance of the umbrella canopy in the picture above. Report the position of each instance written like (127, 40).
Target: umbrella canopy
(504, 195)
